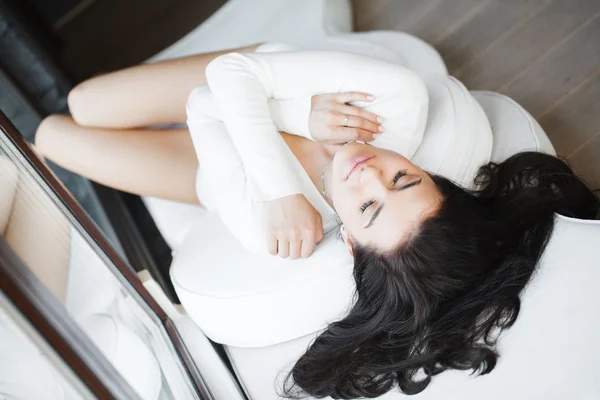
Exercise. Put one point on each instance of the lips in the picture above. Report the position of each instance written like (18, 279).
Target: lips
(356, 162)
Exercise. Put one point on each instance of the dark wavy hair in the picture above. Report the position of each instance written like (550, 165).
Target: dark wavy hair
(441, 298)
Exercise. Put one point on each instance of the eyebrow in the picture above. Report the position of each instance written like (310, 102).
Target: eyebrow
(378, 211)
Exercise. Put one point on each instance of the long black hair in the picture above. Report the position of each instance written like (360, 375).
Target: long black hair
(439, 300)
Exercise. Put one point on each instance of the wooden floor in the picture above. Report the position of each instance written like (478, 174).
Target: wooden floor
(543, 53)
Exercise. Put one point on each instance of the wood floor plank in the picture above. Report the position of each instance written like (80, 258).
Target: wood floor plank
(559, 72)
(586, 163)
(447, 17)
(489, 24)
(539, 44)
(576, 119)
(393, 15)
(368, 12)
(527, 44)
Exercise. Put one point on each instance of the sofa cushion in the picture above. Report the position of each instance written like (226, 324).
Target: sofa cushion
(548, 354)
(244, 22)
(515, 129)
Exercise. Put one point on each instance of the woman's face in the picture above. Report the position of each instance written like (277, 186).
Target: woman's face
(379, 195)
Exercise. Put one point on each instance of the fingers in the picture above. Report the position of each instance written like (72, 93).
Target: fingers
(312, 238)
(361, 113)
(272, 246)
(308, 246)
(320, 235)
(297, 243)
(283, 248)
(359, 122)
(354, 96)
(343, 135)
(295, 248)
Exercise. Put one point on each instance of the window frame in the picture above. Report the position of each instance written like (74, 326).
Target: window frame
(52, 321)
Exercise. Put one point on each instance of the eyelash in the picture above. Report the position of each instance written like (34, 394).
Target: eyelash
(366, 205)
(397, 177)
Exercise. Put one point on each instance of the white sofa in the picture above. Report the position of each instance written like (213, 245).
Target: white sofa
(265, 315)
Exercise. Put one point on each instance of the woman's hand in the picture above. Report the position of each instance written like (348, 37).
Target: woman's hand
(328, 122)
(294, 227)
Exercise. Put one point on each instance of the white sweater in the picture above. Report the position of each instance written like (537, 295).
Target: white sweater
(235, 121)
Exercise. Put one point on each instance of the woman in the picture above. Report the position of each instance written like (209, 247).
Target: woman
(438, 268)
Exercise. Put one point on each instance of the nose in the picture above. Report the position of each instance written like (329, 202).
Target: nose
(371, 179)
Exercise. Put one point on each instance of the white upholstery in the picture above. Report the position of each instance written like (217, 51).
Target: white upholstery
(507, 117)
(268, 312)
(174, 220)
(243, 298)
(549, 354)
(245, 22)
(215, 373)
(556, 294)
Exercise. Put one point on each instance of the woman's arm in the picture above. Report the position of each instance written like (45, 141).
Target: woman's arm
(222, 185)
(242, 85)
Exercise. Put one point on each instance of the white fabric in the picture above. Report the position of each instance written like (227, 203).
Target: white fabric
(549, 353)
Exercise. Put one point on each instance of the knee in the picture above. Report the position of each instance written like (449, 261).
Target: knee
(80, 100)
(46, 136)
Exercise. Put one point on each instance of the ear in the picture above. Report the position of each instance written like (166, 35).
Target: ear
(347, 240)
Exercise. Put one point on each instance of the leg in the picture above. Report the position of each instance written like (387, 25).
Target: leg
(146, 162)
(141, 95)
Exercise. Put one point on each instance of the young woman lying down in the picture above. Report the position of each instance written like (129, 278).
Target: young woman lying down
(289, 145)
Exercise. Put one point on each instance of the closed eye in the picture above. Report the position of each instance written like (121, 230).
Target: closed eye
(366, 205)
(398, 175)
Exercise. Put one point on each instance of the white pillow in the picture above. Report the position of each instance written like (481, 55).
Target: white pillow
(249, 299)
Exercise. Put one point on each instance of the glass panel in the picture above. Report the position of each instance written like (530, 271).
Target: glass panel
(30, 369)
(27, 120)
(100, 300)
